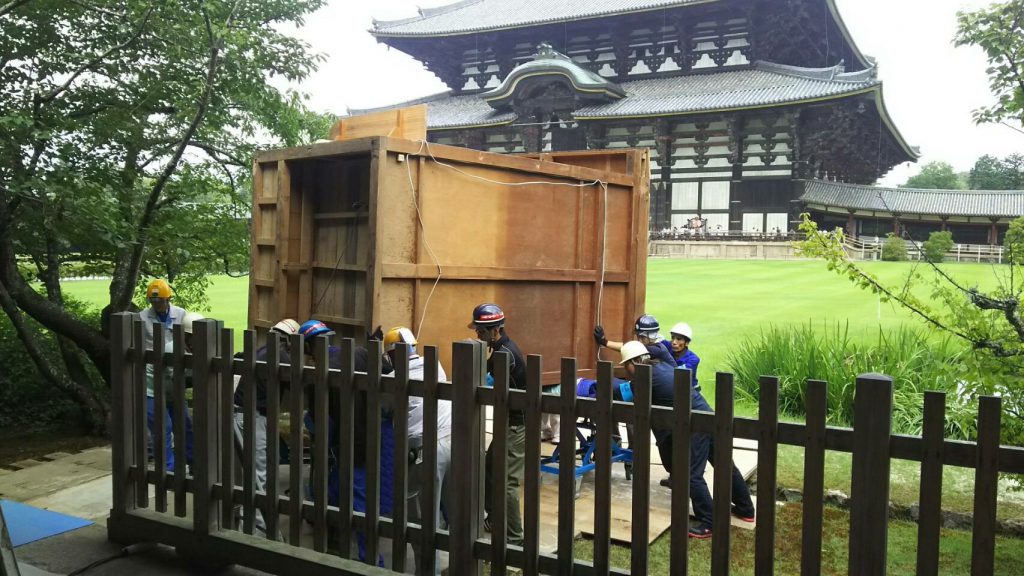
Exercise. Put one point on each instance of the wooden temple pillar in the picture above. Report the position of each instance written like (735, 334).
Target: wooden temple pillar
(896, 224)
(851, 225)
(993, 232)
(943, 223)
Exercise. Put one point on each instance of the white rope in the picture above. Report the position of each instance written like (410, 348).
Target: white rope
(423, 234)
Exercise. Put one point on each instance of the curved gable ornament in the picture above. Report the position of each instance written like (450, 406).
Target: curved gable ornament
(550, 67)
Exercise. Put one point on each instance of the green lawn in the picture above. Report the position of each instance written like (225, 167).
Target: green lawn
(726, 301)
(954, 548)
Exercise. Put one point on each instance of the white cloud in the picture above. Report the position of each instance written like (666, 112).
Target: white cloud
(931, 87)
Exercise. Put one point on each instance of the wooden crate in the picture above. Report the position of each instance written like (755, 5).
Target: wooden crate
(353, 233)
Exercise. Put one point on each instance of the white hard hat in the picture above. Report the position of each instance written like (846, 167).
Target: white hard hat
(188, 319)
(683, 329)
(286, 327)
(632, 350)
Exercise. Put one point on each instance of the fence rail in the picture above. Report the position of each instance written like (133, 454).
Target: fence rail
(207, 528)
(870, 248)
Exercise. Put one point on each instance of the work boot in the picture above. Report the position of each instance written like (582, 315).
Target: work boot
(699, 532)
(666, 482)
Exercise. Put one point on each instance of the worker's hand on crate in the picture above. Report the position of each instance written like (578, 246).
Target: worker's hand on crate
(599, 336)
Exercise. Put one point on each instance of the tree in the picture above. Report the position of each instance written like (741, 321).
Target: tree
(991, 173)
(999, 31)
(126, 133)
(937, 176)
(937, 245)
(989, 322)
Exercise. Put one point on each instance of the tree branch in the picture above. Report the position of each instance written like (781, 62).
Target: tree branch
(123, 297)
(1010, 307)
(103, 56)
(216, 152)
(12, 6)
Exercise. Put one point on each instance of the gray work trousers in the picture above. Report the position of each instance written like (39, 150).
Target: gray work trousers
(444, 465)
(516, 467)
(259, 459)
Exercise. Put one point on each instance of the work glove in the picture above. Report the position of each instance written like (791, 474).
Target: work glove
(599, 336)
(377, 334)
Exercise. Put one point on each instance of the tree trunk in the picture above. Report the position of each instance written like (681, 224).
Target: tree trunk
(97, 408)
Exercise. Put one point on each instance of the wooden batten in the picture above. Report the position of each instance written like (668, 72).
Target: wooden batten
(407, 123)
(354, 233)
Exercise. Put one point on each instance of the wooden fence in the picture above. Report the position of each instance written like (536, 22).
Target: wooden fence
(202, 523)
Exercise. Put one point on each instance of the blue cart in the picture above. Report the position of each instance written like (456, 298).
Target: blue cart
(585, 454)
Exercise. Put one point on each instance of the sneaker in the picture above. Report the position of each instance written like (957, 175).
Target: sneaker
(666, 482)
(744, 517)
(699, 532)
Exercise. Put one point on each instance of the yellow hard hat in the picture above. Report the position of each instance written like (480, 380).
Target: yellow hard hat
(396, 335)
(159, 288)
(632, 350)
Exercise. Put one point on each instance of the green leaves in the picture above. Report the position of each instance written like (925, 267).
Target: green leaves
(999, 31)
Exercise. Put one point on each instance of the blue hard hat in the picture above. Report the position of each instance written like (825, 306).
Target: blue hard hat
(646, 324)
(487, 315)
(311, 328)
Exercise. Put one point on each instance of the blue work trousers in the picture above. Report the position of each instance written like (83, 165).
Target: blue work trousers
(169, 431)
(702, 450)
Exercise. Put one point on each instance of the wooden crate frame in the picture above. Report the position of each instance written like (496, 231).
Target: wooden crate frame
(347, 232)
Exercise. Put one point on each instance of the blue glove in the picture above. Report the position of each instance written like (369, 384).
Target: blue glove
(490, 380)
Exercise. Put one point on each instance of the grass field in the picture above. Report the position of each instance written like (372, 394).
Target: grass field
(724, 301)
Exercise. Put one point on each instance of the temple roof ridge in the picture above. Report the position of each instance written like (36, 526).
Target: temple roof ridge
(982, 203)
(525, 12)
(835, 73)
(548, 61)
(877, 188)
(424, 13)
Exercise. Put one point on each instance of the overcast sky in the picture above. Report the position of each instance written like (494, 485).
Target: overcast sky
(930, 87)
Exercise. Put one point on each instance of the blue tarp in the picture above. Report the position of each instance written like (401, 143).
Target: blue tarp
(27, 523)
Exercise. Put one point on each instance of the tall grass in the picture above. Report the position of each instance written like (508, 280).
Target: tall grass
(916, 362)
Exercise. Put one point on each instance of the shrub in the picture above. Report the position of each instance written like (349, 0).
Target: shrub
(937, 245)
(914, 361)
(894, 249)
(27, 401)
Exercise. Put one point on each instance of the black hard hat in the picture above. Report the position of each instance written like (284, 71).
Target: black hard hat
(646, 324)
(488, 315)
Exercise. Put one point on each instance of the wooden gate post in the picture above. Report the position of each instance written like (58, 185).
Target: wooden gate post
(468, 370)
(122, 370)
(206, 398)
(869, 513)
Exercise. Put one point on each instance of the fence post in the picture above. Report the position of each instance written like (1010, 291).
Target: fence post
(206, 396)
(986, 486)
(121, 404)
(467, 368)
(869, 515)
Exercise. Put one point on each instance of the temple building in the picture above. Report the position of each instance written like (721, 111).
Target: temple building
(742, 103)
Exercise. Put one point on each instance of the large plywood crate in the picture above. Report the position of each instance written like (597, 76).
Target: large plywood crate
(381, 231)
